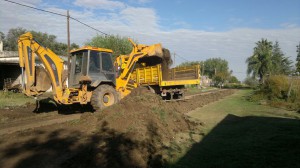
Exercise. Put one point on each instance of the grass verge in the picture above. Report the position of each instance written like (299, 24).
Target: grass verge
(10, 99)
(240, 133)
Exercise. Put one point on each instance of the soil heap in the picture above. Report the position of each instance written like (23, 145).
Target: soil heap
(141, 131)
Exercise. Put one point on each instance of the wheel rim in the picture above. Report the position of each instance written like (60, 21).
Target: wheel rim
(108, 99)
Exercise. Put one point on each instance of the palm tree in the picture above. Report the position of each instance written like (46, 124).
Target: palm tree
(260, 64)
(298, 59)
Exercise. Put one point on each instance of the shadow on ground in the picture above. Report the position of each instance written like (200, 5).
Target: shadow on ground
(247, 142)
(234, 142)
(62, 148)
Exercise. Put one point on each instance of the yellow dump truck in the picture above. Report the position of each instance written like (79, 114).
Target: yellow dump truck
(170, 84)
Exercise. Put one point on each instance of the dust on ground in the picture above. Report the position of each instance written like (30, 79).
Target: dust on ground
(140, 131)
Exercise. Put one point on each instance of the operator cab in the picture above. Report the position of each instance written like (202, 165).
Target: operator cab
(95, 63)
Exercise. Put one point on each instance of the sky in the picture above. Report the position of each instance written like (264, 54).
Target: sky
(195, 30)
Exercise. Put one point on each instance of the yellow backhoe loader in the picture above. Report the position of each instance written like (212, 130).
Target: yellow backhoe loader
(93, 77)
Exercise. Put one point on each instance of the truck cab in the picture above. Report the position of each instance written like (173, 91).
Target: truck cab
(94, 63)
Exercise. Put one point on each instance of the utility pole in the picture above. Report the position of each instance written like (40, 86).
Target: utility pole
(68, 54)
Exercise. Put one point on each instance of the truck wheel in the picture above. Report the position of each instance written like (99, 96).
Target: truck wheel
(104, 96)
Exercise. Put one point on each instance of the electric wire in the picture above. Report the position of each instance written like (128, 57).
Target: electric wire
(59, 14)
(182, 57)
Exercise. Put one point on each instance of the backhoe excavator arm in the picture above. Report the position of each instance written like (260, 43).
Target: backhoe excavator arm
(138, 51)
(28, 47)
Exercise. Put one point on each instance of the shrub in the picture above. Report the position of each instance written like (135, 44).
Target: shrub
(252, 82)
(276, 87)
(280, 91)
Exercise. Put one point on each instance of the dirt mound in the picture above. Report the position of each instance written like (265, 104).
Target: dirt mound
(141, 131)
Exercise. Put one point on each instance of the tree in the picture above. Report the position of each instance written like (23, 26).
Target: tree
(298, 59)
(10, 42)
(250, 81)
(280, 63)
(214, 65)
(49, 41)
(189, 63)
(260, 63)
(119, 45)
(220, 78)
(233, 79)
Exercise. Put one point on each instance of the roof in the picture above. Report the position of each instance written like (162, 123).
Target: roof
(92, 48)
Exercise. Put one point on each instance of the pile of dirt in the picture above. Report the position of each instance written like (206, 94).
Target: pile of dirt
(141, 131)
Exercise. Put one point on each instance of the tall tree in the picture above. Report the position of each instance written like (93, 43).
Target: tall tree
(119, 45)
(221, 77)
(10, 42)
(214, 65)
(298, 59)
(49, 41)
(233, 79)
(280, 63)
(260, 63)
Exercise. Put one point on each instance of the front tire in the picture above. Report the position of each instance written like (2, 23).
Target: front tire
(104, 96)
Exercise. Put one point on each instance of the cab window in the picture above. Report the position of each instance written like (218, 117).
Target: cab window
(107, 64)
(78, 63)
(94, 66)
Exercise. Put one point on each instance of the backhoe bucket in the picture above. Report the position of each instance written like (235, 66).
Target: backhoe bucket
(42, 80)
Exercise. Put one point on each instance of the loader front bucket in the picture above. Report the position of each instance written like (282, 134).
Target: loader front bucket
(154, 50)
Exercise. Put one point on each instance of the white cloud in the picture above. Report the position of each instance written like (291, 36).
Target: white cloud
(289, 25)
(100, 4)
(140, 19)
(142, 24)
(140, 1)
(29, 2)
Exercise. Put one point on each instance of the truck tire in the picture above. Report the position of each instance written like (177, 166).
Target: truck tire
(104, 96)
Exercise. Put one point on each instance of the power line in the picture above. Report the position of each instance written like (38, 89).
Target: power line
(182, 57)
(89, 26)
(58, 15)
(35, 8)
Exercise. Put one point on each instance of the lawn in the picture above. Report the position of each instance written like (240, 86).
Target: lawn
(239, 133)
(10, 99)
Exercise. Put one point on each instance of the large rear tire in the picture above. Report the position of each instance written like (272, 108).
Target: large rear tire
(104, 96)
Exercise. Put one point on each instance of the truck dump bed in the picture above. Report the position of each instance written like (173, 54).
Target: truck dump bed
(153, 75)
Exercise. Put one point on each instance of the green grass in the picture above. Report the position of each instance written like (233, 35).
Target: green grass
(10, 99)
(193, 90)
(240, 133)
